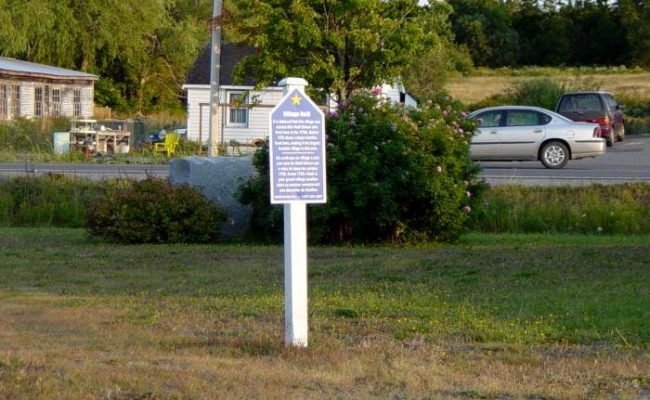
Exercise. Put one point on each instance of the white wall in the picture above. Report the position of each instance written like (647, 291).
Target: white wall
(27, 98)
(198, 113)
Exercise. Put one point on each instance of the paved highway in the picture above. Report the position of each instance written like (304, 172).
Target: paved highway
(628, 161)
(95, 172)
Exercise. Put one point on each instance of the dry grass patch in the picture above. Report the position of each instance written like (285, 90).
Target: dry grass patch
(497, 317)
(90, 351)
(473, 89)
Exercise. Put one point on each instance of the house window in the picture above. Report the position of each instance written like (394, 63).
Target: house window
(3, 102)
(237, 110)
(15, 101)
(76, 102)
(38, 101)
(56, 102)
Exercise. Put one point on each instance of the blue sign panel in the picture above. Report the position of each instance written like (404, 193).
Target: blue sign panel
(297, 151)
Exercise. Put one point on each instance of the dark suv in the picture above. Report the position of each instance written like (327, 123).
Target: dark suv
(597, 107)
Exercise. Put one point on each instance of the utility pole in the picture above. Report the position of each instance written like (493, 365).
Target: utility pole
(214, 139)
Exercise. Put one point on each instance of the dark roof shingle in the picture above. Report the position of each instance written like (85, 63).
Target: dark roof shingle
(231, 54)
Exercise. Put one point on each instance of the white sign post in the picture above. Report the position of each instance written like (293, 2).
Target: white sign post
(297, 172)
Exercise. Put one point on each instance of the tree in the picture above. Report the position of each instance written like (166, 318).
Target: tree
(337, 45)
(484, 26)
(635, 15)
(140, 48)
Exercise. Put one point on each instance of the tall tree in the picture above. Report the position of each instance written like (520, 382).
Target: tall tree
(635, 18)
(485, 27)
(337, 45)
(140, 48)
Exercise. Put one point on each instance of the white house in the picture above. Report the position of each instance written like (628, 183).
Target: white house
(35, 90)
(245, 111)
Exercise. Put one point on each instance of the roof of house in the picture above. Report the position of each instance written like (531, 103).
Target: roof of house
(231, 54)
(11, 66)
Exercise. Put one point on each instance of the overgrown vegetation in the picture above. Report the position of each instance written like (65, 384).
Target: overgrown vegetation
(153, 211)
(393, 174)
(31, 140)
(57, 201)
(51, 200)
(623, 209)
(540, 92)
(546, 91)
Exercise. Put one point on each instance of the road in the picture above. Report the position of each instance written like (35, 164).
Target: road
(94, 172)
(628, 161)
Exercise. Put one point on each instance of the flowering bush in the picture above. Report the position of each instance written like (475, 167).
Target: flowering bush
(393, 174)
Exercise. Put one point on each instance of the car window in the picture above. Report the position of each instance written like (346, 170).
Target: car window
(580, 102)
(488, 119)
(610, 101)
(544, 119)
(523, 118)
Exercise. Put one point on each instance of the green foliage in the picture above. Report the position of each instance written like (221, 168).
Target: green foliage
(35, 136)
(428, 73)
(153, 211)
(394, 174)
(337, 46)
(50, 200)
(635, 106)
(634, 15)
(540, 92)
(595, 209)
(485, 28)
(549, 33)
(636, 126)
(141, 48)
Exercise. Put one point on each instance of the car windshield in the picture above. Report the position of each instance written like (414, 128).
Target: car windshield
(580, 103)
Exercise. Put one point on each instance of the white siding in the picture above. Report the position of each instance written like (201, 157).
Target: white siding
(195, 97)
(67, 97)
(198, 114)
(26, 99)
(87, 102)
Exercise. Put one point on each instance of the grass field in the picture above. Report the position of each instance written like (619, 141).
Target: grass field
(494, 317)
(472, 89)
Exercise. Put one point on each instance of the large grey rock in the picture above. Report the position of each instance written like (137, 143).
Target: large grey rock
(217, 178)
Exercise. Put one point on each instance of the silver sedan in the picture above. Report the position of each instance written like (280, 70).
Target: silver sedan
(518, 133)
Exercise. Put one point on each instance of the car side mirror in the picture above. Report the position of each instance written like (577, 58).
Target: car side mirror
(620, 107)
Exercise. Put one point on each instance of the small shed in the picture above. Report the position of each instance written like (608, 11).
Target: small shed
(32, 90)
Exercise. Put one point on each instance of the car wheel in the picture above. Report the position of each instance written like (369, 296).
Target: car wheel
(621, 134)
(610, 139)
(554, 155)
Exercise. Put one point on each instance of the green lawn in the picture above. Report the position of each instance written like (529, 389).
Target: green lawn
(570, 300)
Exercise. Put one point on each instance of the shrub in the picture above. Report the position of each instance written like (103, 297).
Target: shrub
(393, 174)
(153, 211)
(49, 200)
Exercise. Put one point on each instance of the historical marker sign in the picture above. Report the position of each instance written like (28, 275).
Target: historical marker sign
(297, 151)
